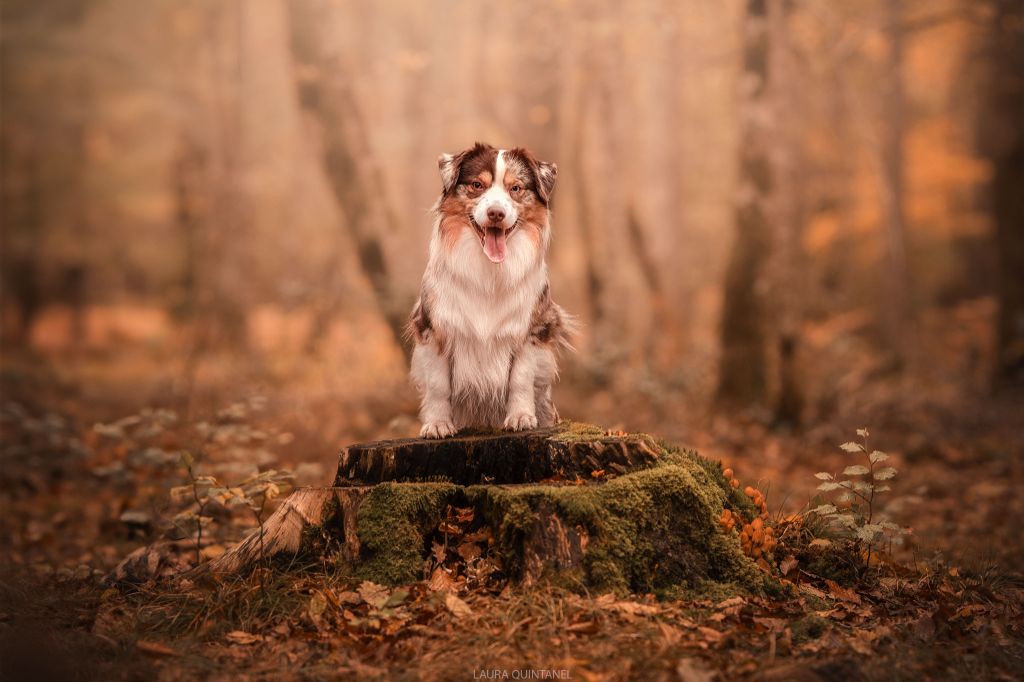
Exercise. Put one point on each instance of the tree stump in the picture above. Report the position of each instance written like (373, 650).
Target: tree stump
(553, 455)
(572, 503)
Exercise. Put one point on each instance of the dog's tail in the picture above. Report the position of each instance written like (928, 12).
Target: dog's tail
(565, 331)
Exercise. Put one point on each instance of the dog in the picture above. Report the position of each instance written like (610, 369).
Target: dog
(485, 328)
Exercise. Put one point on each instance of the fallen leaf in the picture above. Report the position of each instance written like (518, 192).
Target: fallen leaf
(632, 608)
(788, 564)
(969, 610)
(694, 670)
(843, 593)
(155, 648)
(449, 528)
(317, 605)
(440, 581)
(349, 597)
(670, 634)
(372, 593)
(243, 637)
(397, 597)
(813, 591)
(587, 627)
(772, 624)
(458, 608)
(859, 645)
(469, 550)
(730, 607)
(710, 634)
(482, 535)
(212, 551)
(924, 628)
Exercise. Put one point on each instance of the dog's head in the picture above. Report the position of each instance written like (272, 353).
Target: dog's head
(495, 193)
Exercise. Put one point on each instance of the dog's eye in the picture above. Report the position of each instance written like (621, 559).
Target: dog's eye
(476, 184)
(516, 189)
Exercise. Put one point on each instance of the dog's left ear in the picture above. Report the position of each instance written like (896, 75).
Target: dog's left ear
(450, 166)
(546, 173)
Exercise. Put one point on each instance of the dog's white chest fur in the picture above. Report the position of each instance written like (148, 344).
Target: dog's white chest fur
(483, 313)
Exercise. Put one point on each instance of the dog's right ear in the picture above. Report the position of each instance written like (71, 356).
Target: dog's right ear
(450, 166)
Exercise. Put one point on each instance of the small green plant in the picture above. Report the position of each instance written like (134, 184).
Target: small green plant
(198, 489)
(857, 491)
(202, 491)
(256, 491)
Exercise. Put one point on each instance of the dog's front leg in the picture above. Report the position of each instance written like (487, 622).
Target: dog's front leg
(431, 373)
(521, 411)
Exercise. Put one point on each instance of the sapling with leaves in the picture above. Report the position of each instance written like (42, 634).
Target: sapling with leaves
(200, 489)
(257, 490)
(858, 488)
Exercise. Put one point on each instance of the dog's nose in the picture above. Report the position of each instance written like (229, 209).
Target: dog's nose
(495, 214)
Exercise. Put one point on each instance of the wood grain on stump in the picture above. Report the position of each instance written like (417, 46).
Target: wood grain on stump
(543, 455)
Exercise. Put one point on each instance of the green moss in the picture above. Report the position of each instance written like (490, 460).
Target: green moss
(394, 521)
(808, 628)
(736, 498)
(573, 432)
(650, 530)
(839, 562)
(708, 590)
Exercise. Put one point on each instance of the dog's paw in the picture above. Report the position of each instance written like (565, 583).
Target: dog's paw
(437, 429)
(520, 421)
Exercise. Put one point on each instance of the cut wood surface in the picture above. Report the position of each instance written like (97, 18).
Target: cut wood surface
(566, 452)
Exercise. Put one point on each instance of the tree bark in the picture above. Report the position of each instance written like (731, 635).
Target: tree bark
(896, 308)
(356, 181)
(1006, 147)
(551, 455)
(787, 295)
(742, 376)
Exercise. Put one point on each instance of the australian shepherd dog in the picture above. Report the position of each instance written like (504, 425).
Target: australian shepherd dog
(485, 327)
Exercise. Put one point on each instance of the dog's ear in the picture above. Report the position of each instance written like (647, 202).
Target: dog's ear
(450, 166)
(546, 173)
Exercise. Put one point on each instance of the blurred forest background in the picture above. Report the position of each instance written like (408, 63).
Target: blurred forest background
(775, 218)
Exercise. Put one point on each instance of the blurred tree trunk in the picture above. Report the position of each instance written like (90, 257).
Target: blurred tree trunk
(742, 370)
(897, 312)
(221, 282)
(638, 242)
(543, 117)
(214, 248)
(788, 88)
(189, 169)
(21, 252)
(586, 219)
(1005, 133)
(325, 93)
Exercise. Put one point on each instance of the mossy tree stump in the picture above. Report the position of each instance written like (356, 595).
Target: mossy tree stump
(611, 512)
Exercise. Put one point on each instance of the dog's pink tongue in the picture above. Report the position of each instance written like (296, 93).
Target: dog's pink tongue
(494, 244)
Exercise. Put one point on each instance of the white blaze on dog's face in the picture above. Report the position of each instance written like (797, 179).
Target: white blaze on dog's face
(495, 212)
(494, 193)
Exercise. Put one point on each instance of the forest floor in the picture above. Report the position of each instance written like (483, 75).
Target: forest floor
(947, 603)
